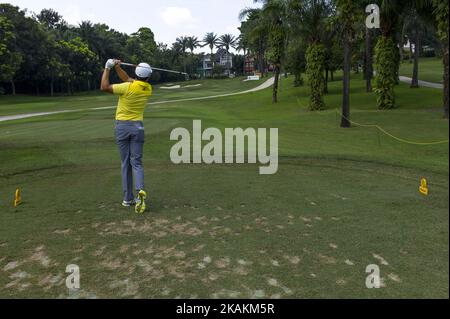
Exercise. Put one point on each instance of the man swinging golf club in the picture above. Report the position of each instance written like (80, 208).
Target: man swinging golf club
(133, 97)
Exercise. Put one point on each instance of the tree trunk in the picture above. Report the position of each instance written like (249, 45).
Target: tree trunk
(89, 84)
(446, 79)
(345, 122)
(13, 87)
(275, 85)
(325, 87)
(261, 64)
(368, 61)
(51, 86)
(415, 77)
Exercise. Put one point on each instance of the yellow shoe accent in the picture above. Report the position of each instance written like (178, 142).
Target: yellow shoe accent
(18, 198)
(423, 189)
(140, 206)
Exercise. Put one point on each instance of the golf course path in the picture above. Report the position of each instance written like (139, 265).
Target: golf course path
(423, 83)
(263, 86)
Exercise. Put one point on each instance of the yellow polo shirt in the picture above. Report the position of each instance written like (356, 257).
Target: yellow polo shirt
(133, 97)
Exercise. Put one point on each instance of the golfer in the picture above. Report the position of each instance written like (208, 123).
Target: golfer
(133, 97)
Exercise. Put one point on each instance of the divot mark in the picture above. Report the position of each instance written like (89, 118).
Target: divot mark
(349, 262)
(380, 259)
(11, 265)
(394, 277)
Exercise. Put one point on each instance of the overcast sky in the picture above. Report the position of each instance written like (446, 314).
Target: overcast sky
(168, 19)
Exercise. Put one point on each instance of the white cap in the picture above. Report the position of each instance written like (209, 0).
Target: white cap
(143, 70)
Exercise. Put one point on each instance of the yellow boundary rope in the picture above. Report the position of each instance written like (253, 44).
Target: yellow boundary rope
(382, 130)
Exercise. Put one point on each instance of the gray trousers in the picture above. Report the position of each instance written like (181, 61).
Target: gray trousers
(130, 139)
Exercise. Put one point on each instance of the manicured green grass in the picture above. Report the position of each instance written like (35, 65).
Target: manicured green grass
(430, 69)
(11, 105)
(341, 200)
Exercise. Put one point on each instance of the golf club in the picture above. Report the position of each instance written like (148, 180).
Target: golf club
(157, 69)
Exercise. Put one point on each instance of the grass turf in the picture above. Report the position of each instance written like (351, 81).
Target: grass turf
(342, 199)
(430, 69)
(22, 104)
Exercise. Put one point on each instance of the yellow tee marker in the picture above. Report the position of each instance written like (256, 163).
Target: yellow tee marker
(18, 198)
(423, 189)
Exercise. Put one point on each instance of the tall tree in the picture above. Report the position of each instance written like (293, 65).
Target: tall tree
(441, 12)
(275, 13)
(254, 32)
(211, 40)
(349, 11)
(312, 16)
(387, 54)
(10, 59)
(227, 41)
(183, 45)
(192, 43)
(414, 29)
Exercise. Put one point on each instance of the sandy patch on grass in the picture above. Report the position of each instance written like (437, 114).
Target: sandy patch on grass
(213, 276)
(223, 262)
(380, 259)
(327, 260)
(292, 259)
(273, 282)
(11, 265)
(112, 263)
(198, 247)
(99, 251)
(40, 257)
(241, 271)
(19, 275)
(349, 262)
(63, 231)
(341, 281)
(226, 294)
(257, 294)
(394, 277)
(275, 263)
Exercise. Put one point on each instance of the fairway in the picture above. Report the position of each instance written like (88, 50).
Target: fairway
(430, 70)
(341, 200)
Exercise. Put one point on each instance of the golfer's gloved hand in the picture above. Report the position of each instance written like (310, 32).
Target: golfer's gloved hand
(109, 64)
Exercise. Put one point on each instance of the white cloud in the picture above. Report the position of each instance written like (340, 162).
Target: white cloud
(73, 15)
(178, 17)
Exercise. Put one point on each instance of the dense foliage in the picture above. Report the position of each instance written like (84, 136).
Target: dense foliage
(315, 61)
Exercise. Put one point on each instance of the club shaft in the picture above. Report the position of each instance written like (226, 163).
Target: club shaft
(157, 69)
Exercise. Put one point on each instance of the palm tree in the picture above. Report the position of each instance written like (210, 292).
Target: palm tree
(275, 15)
(182, 46)
(241, 45)
(441, 14)
(309, 19)
(347, 17)
(387, 53)
(227, 41)
(192, 43)
(212, 41)
(254, 32)
(415, 28)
